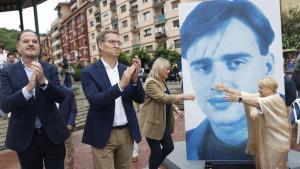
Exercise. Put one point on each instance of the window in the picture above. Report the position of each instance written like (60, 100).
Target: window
(98, 19)
(126, 38)
(105, 15)
(176, 24)
(124, 23)
(93, 35)
(175, 4)
(123, 8)
(147, 32)
(177, 43)
(91, 23)
(160, 29)
(149, 48)
(91, 11)
(146, 15)
(105, 3)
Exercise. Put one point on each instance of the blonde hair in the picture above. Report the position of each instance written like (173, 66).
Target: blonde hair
(157, 68)
(269, 82)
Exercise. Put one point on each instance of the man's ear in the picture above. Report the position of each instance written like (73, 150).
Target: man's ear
(17, 46)
(270, 64)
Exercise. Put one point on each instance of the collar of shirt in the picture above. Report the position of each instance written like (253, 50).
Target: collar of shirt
(107, 66)
(25, 66)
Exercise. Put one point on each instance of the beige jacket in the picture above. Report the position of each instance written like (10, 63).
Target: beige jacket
(153, 112)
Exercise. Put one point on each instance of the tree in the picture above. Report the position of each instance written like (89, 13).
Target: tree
(169, 54)
(290, 23)
(142, 54)
(8, 39)
(124, 58)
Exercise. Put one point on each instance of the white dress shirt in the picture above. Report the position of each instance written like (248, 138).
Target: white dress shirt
(3, 59)
(28, 94)
(113, 75)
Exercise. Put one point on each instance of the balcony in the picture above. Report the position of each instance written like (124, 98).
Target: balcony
(56, 42)
(113, 5)
(134, 27)
(98, 26)
(54, 33)
(114, 20)
(158, 4)
(161, 36)
(132, 1)
(160, 19)
(133, 11)
(97, 11)
(73, 5)
(57, 52)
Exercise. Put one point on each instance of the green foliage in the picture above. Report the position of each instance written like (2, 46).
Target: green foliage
(169, 54)
(124, 58)
(8, 38)
(142, 54)
(77, 68)
(290, 28)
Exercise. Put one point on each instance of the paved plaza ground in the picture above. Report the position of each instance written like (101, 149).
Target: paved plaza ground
(83, 155)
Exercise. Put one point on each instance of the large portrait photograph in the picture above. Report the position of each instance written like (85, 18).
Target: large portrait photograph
(235, 42)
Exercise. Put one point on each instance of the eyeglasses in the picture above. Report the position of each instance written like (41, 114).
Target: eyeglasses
(113, 42)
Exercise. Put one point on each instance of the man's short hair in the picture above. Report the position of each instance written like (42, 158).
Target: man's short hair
(24, 31)
(11, 53)
(211, 16)
(101, 36)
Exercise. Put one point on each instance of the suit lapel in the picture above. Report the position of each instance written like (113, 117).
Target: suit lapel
(37, 88)
(102, 73)
(120, 70)
(21, 74)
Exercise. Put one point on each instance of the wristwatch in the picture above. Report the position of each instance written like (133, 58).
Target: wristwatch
(240, 100)
(44, 84)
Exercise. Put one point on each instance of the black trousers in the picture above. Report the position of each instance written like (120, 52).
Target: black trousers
(160, 149)
(42, 150)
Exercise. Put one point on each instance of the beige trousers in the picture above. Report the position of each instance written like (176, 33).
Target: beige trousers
(117, 153)
(70, 152)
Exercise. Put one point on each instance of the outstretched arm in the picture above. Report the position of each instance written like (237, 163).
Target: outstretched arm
(234, 95)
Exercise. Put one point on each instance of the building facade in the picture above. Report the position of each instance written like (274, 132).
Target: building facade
(142, 23)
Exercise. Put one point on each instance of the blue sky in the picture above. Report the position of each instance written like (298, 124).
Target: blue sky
(46, 15)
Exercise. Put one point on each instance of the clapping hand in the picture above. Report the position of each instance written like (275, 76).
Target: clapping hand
(137, 63)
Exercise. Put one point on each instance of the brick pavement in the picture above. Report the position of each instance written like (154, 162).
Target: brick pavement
(83, 160)
(83, 156)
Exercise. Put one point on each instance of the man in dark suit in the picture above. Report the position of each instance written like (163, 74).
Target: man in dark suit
(29, 90)
(68, 108)
(110, 87)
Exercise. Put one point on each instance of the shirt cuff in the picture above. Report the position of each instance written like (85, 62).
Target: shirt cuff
(26, 94)
(120, 88)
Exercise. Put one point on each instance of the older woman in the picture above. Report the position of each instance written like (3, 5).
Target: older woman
(269, 127)
(156, 113)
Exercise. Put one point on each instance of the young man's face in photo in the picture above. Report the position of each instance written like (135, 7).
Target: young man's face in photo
(230, 56)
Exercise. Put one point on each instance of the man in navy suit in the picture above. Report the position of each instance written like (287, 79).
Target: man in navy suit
(68, 108)
(29, 90)
(110, 87)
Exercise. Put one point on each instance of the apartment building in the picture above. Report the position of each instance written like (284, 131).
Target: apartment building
(142, 23)
(94, 24)
(53, 40)
(74, 33)
(288, 4)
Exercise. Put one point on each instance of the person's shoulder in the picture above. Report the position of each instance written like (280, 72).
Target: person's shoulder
(90, 67)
